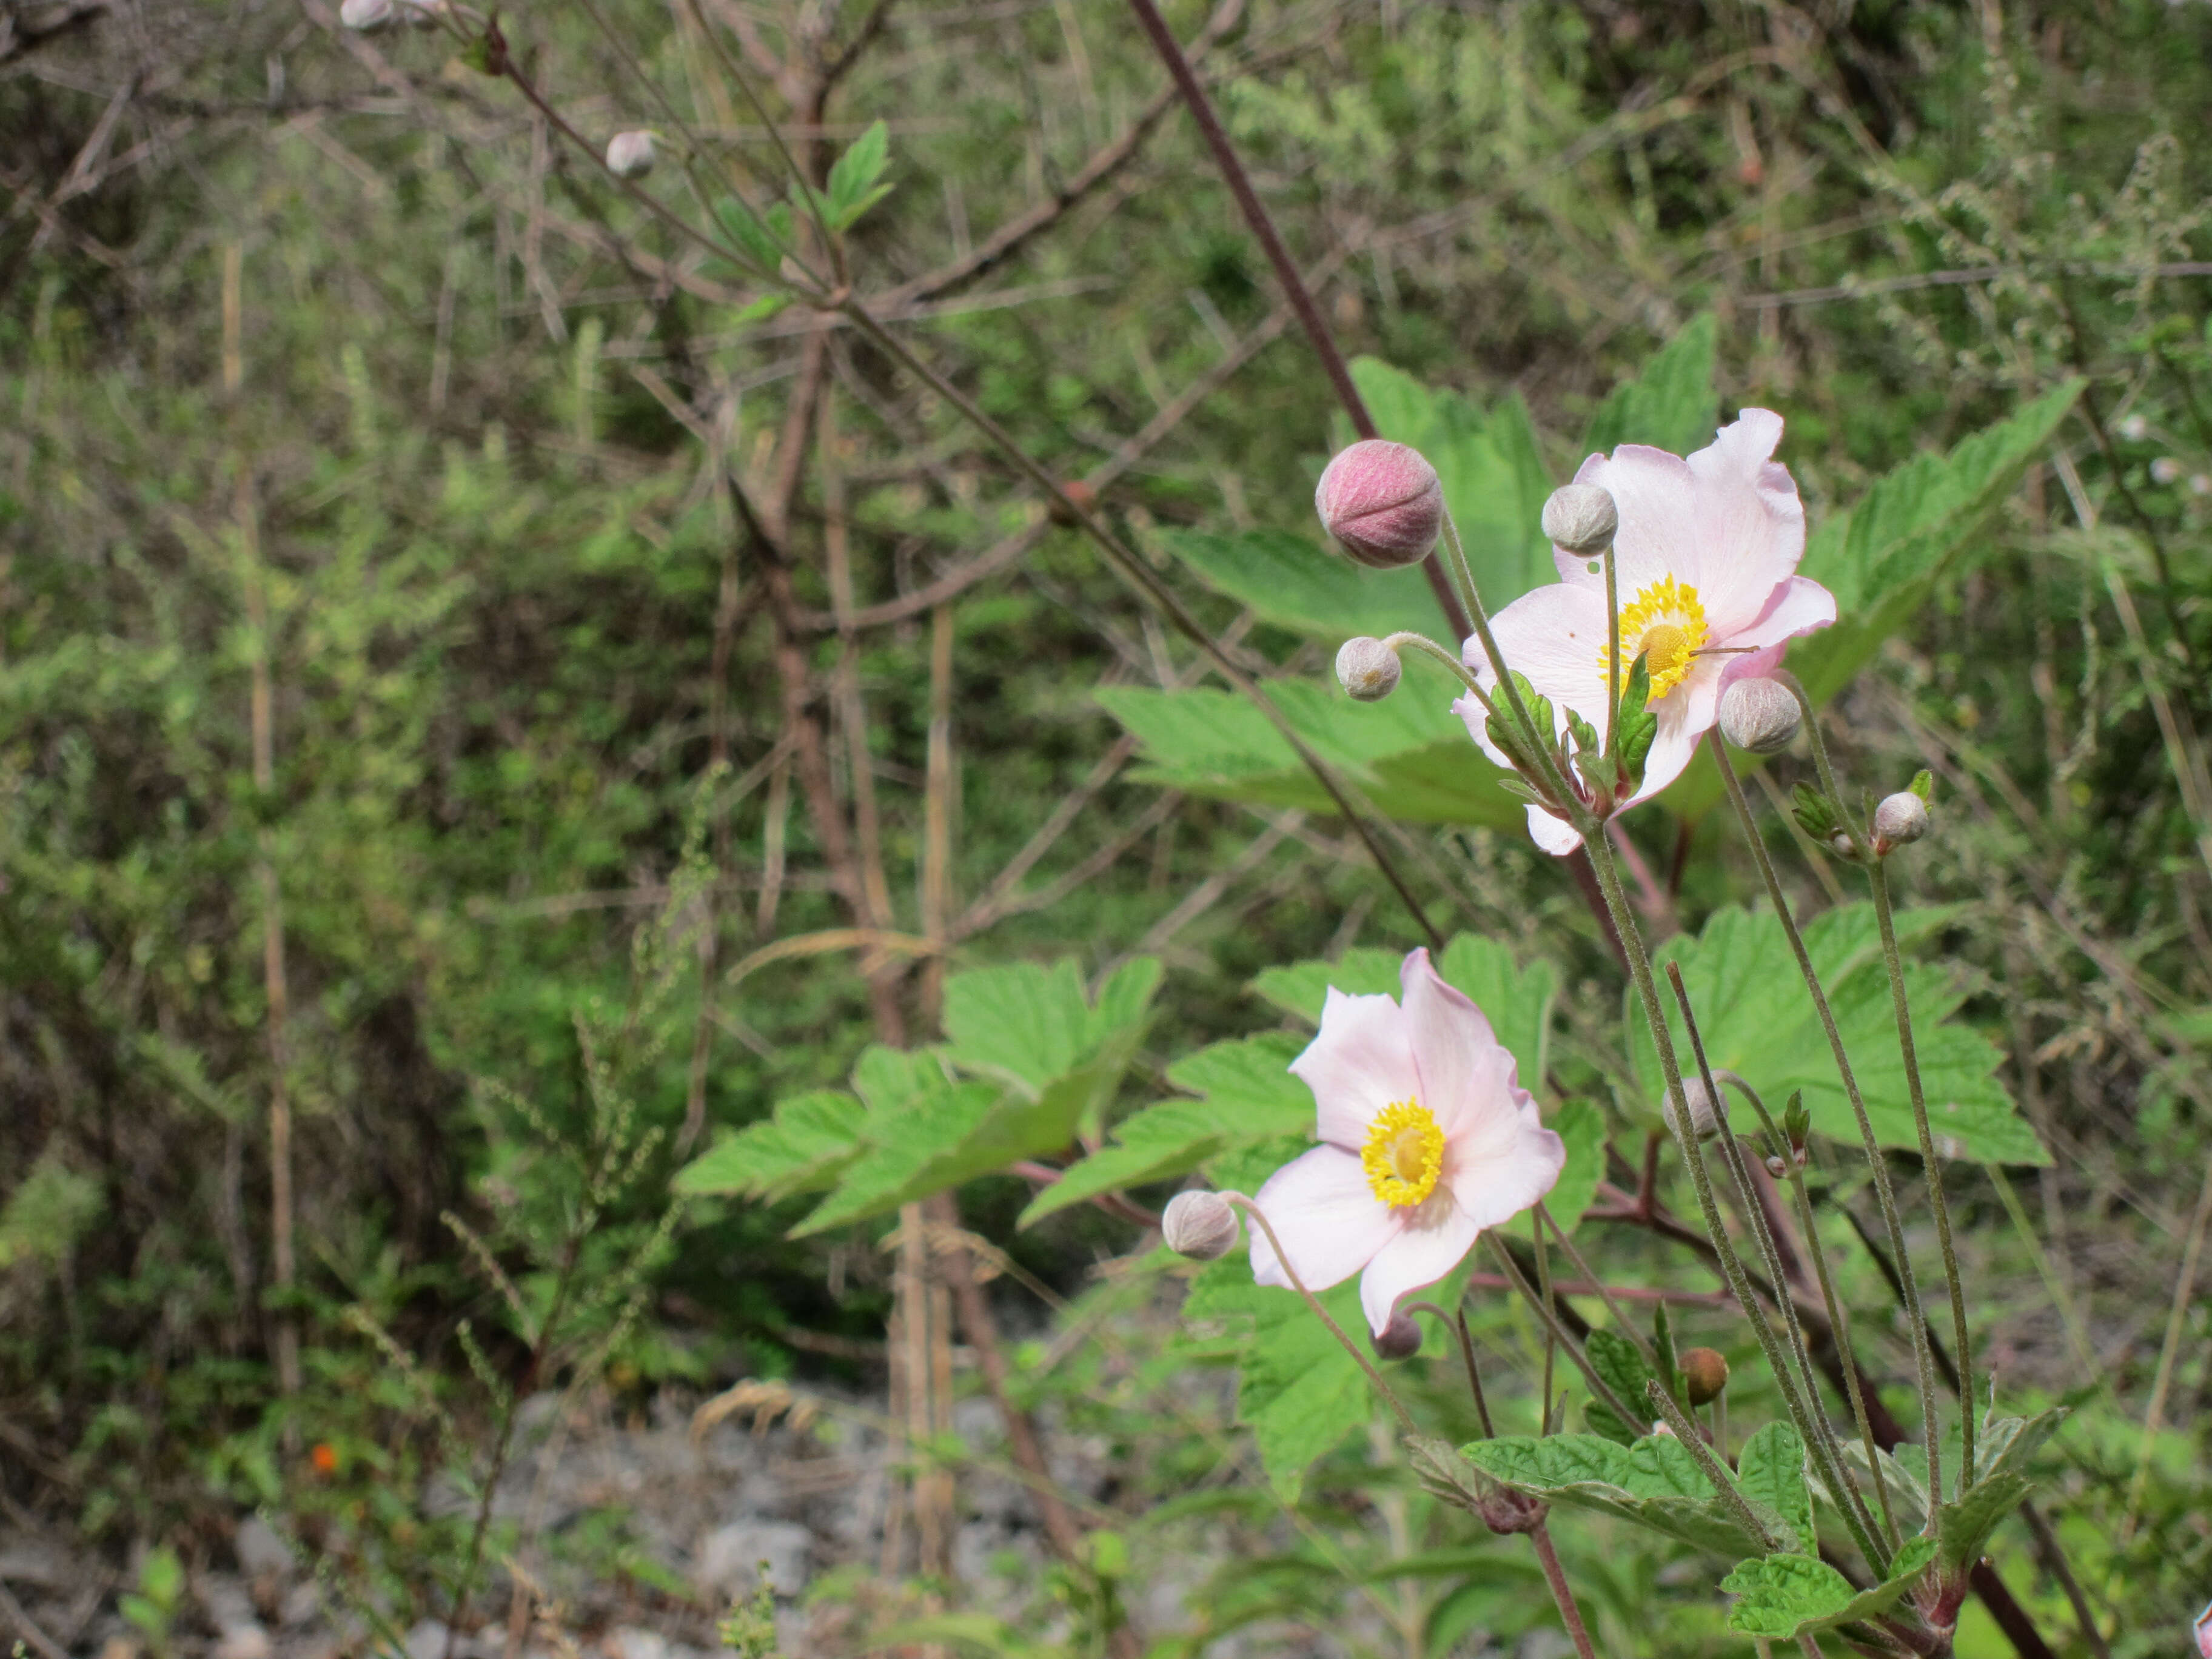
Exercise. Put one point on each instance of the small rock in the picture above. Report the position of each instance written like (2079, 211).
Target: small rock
(727, 1561)
(247, 1641)
(302, 1603)
(630, 1643)
(427, 1640)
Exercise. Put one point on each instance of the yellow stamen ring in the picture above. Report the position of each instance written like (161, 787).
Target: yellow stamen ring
(1404, 1154)
(1665, 624)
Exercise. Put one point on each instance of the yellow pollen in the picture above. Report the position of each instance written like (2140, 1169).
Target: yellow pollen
(1665, 624)
(1404, 1154)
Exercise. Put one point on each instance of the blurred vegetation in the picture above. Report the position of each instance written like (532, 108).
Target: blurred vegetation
(336, 386)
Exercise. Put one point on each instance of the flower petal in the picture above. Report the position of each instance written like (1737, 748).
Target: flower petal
(1467, 1074)
(1797, 606)
(1361, 1062)
(1327, 1217)
(1495, 1182)
(1554, 834)
(1555, 637)
(1660, 531)
(1428, 1247)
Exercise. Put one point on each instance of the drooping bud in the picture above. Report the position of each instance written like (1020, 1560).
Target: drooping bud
(1900, 820)
(1367, 669)
(1705, 1374)
(1581, 519)
(1703, 1120)
(1200, 1226)
(1401, 1338)
(2164, 470)
(1382, 503)
(366, 17)
(630, 154)
(1761, 715)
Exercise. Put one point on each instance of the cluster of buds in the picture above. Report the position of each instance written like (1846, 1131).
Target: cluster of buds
(1898, 820)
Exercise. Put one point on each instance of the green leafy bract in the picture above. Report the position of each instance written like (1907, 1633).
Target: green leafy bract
(1785, 1596)
(1655, 1482)
(1771, 1469)
(1758, 1020)
(853, 186)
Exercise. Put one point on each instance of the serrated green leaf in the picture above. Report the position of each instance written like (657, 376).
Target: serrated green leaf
(1297, 1390)
(2007, 1445)
(800, 1148)
(1771, 1469)
(1785, 1596)
(1295, 582)
(1248, 1095)
(1582, 1126)
(1758, 1021)
(1671, 404)
(1299, 988)
(1515, 998)
(1614, 1358)
(1605, 1421)
(1962, 1527)
(1030, 1025)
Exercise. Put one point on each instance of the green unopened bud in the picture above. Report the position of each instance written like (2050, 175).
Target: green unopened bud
(1705, 1374)
(1581, 519)
(1759, 716)
(1367, 669)
(1900, 820)
(1200, 1226)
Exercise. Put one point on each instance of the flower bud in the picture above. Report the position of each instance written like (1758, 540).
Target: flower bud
(1901, 819)
(1775, 1166)
(1200, 1226)
(1761, 715)
(1382, 503)
(366, 15)
(1367, 669)
(1581, 519)
(422, 14)
(1399, 1340)
(1705, 1374)
(2164, 470)
(1703, 1118)
(630, 154)
(2135, 428)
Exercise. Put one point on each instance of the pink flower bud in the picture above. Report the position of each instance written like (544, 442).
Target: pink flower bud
(1199, 1224)
(1382, 503)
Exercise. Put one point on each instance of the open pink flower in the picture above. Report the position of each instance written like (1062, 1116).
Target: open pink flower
(1708, 550)
(1427, 1137)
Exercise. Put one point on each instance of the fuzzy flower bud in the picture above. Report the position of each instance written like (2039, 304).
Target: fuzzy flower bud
(630, 154)
(1582, 519)
(366, 15)
(2166, 471)
(1200, 1226)
(1367, 669)
(1703, 1118)
(1705, 1374)
(1759, 716)
(1401, 1338)
(1382, 503)
(1900, 820)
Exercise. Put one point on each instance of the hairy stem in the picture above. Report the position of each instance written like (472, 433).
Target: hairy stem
(1556, 1577)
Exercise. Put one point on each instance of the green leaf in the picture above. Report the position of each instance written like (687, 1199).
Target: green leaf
(1296, 582)
(1299, 988)
(1605, 1421)
(2007, 1445)
(800, 1148)
(1963, 1527)
(852, 188)
(1771, 1469)
(1670, 404)
(766, 306)
(1614, 1358)
(1582, 1126)
(1517, 1001)
(1297, 1390)
(1248, 1095)
(1655, 1483)
(1028, 1026)
(1785, 1596)
(1410, 754)
(1758, 1021)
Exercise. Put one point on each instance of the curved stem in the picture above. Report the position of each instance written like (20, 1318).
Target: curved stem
(1923, 1358)
(1405, 1418)
(1556, 1577)
(1429, 648)
(1612, 1401)
(1931, 1165)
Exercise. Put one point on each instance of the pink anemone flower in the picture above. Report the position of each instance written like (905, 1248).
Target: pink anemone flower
(1708, 550)
(1427, 1137)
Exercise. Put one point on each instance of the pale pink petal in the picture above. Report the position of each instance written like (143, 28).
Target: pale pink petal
(1674, 747)
(1555, 637)
(1797, 606)
(1467, 1074)
(1514, 1167)
(1430, 1246)
(1361, 1062)
(1750, 519)
(1327, 1217)
(1554, 835)
(1663, 520)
